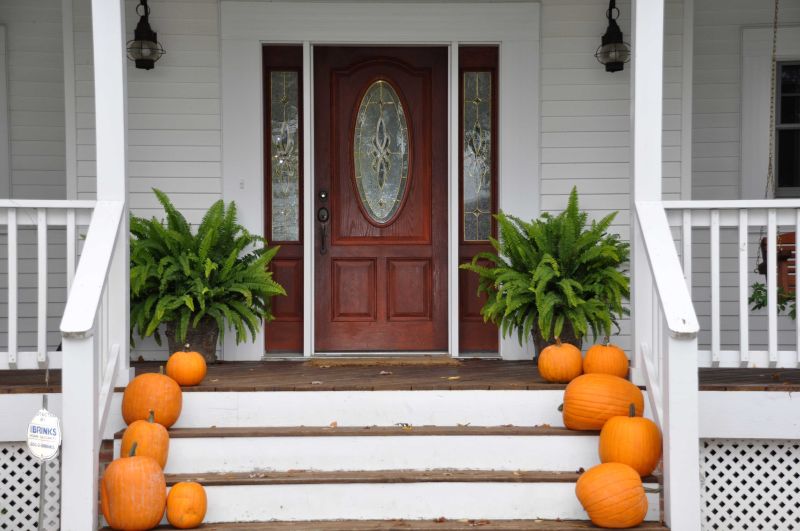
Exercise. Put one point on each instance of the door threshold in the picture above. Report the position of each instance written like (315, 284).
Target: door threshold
(387, 354)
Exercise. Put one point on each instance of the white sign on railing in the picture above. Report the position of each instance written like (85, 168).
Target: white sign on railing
(44, 435)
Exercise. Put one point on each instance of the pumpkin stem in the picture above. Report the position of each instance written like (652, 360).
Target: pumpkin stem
(606, 341)
(186, 347)
(561, 407)
(133, 449)
(161, 369)
(152, 417)
(632, 410)
(558, 341)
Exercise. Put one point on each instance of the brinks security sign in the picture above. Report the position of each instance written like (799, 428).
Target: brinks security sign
(44, 435)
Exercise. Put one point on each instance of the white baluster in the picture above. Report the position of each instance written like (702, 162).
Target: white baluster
(687, 247)
(772, 287)
(744, 308)
(41, 306)
(715, 294)
(12, 288)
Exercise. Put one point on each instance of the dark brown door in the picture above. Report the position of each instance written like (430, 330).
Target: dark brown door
(381, 199)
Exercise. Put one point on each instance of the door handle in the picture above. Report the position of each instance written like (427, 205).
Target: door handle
(322, 216)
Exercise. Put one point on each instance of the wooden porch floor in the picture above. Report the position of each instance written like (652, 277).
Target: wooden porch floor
(320, 375)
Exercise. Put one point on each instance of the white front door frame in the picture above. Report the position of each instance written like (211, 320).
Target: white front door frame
(246, 26)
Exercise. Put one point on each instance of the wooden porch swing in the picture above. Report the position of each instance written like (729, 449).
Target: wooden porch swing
(786, 245)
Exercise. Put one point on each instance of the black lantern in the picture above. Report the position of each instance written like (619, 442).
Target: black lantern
(144, 49)
(613, 52)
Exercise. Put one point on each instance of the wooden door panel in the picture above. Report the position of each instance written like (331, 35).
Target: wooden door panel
(408, 289)
(353, 289)
(381, 284)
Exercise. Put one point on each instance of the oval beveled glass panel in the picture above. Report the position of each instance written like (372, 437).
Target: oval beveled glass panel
(380, 151)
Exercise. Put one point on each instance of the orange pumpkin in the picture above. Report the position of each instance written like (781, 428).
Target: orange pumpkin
(632, 440)
(133, 493)
(560, 362)
(152, 438)
(612, 495)
(152, 392)
(186, 367)
(590, 400)
(186, 505)
(606, 359)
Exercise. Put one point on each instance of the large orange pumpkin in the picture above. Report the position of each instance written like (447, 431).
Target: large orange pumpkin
(606, 359)
(186, 505)
(186, 367)
(612, 495)
(590, 400)
(152, 392)
(152, 438)
(133, 493)
(560, 362)
(634, 441)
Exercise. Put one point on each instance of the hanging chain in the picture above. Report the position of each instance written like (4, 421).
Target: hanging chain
(770, 185)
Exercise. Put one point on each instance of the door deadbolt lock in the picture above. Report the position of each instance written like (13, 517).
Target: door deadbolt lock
(323, 215)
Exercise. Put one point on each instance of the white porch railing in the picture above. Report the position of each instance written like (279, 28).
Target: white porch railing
(719, 243)
(42, 241)
(93, 349)
(667, 359)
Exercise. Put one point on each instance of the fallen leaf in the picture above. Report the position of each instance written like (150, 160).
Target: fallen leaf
(440, 520)
(324, 366)
(334, 424)
(542, 426)
(463, 425)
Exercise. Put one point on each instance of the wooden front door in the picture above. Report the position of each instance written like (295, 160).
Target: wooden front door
(380, 199)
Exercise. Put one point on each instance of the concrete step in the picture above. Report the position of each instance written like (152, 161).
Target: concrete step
(361, 408)
(378, 448)
(416, 525)
(393, 494)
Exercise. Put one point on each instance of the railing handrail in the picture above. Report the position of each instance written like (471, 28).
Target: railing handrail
(725, 204)
(90, 277)
(47, 203)
(674, 297)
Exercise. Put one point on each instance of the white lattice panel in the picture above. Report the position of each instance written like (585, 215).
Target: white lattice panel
(750, 484)
(20, 490)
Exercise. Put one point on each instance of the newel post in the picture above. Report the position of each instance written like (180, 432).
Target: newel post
(646, 131)
(110, 88)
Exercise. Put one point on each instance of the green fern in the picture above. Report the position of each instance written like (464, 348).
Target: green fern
(220, 272)
(554, 271)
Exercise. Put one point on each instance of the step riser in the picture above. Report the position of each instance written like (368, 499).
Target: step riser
(245, 454)
(395, 501)
(361, 408)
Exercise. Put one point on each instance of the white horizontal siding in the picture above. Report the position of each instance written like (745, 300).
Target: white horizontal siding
(174, 133)
(717, 90)
(35, 98)
(585, 124)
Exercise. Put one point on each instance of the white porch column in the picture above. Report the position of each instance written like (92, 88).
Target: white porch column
(680, 425)
(110, 88)
(80, 373)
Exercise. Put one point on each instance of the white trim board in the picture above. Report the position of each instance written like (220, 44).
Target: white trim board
(5, 124)
(756, 74)
(245, 26)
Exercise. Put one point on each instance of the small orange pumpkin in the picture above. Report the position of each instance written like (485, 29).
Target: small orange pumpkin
(186, 367)
(133, 493)
(634, 441)
(152, 438)
(186, 505)
(591, 399)
(152, 392)
(612, 495)
(561, 362)
(606, 359)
